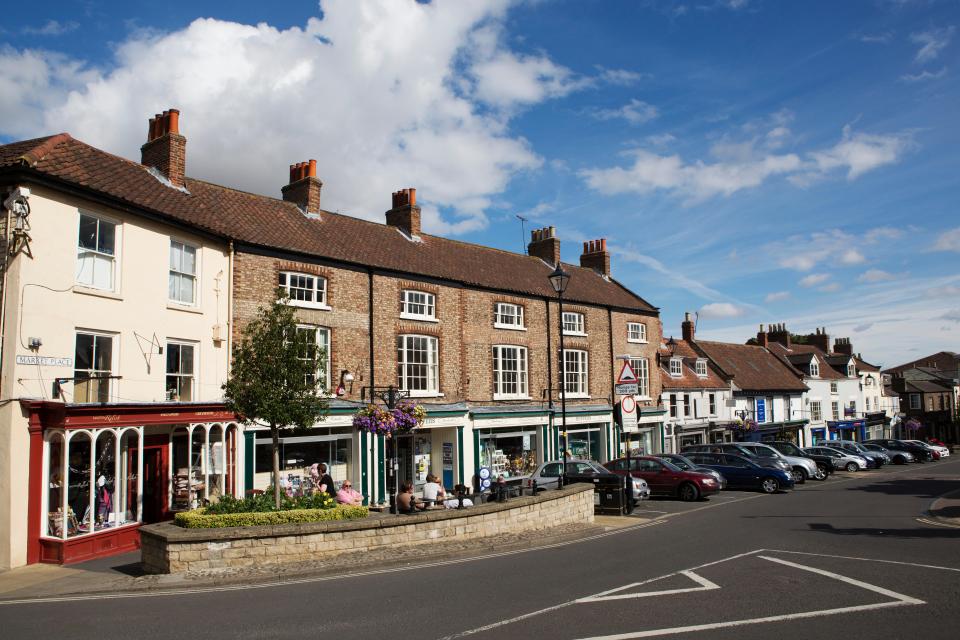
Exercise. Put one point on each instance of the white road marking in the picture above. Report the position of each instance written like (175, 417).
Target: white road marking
(705, 585)
(938, 524)
(295, 581)
(827, 555)
(899, 600)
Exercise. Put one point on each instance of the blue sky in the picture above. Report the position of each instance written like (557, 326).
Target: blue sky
(750, 160)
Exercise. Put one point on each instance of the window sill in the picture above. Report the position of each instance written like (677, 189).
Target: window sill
(425, 394)
(636, 341)
(501, 396)
(100, 293)
(173, 306)
(576, 334)
(406, 316)
(575, 396)
(508, 327)
(309, 305)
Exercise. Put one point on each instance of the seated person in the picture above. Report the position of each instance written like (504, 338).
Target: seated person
(406, 501)
(348, 495)
(453, 502)
(433, 490)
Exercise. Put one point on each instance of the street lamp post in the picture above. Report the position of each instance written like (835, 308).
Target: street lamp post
(390, 396)
(558, 280)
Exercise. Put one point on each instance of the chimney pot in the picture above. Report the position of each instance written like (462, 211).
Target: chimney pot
(165, 149)
(174, 121)
(596, 257)
(304, 187)
(405, 213)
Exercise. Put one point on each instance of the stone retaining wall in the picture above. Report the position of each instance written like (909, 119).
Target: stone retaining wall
(167, 548)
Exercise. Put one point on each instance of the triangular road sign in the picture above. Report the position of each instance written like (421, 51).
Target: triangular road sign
(627, 374)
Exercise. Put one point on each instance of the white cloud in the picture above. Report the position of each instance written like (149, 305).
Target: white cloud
(622, 77)
(720, 310)
(875, 275)
(660, 139)
(953, 315)
(833, 287)
(384, 94)
(852, 256)
(923, 75)
(881, 233)
(746, 164)
(814, 279)
(948, 241)
(877, 38)
(860, 328)
(635, 112)
(804, 252)
(933, 42)
(51, 28)
(777, 296)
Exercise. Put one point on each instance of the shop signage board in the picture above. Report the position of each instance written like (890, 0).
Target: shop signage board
(628, 414)
(455, 421)
(627, 382)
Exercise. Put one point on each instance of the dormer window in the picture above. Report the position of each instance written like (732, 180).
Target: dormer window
(304, 289)
(814, 368)
(418, 305)
(702, 368)
(851, 370)
(636, 332)
(676, 367)
(508, 316)
(573, 324)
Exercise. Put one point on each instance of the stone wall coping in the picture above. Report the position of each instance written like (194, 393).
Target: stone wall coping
(171, 533)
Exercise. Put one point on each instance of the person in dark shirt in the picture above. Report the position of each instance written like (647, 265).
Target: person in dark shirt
(325, 483)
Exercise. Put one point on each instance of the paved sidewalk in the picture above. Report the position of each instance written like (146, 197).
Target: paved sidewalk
(121, 573)
(946, 509)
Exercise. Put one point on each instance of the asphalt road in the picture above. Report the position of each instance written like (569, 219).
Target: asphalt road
(851, 557)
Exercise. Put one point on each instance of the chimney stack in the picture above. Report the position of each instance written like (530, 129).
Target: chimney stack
(545, 245)
(405, 213)
(165, 149)
(687, 327)
(820, 339)
(779, 334)
(844, 346)
(595, 256)
(762, 339)
(304, 187)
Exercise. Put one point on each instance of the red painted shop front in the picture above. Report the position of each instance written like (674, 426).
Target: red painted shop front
(97, 472)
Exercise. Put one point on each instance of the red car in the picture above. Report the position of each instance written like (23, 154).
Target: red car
(666, 479)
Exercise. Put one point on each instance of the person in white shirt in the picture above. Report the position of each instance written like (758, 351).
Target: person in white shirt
(433, 490)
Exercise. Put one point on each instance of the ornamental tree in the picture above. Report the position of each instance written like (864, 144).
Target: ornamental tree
(274, 380)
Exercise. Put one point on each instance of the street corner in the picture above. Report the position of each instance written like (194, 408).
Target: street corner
(757, 593)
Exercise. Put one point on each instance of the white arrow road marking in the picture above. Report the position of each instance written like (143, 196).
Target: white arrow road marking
(705, 585)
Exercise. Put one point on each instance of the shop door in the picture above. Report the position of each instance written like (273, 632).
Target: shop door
(404, 446)
(155, 473)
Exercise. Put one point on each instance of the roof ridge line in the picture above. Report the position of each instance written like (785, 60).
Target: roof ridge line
(36, 154)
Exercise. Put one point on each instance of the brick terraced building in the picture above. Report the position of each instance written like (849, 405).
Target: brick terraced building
(471, 332)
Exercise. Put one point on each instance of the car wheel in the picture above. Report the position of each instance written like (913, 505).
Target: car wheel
(821, 472)
(851, 466)
(899, 460)
(688, 492)
(769, 485)
(799, 475)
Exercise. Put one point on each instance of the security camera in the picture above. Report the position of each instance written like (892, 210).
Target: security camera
(16, 202)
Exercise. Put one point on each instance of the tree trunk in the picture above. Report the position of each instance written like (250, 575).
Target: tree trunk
(275, 435)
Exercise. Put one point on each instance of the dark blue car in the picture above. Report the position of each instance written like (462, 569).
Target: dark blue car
(742, 473)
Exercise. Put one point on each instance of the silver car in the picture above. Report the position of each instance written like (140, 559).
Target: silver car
(547, 476)
(841, 459)
(896, 456)
(800, 468)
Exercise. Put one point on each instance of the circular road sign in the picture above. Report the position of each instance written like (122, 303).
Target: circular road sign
(628, 404)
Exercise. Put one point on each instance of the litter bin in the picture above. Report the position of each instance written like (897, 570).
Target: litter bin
(609, 496)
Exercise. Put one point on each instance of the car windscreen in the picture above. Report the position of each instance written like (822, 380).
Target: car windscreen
(787, 448)
(680, 462)
(670, 465)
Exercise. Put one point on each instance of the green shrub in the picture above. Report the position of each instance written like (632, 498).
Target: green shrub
(264, 503)
(203, 519)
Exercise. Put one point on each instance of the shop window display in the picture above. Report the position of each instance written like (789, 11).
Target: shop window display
(78, 487)
(298, 454)
(127, 488)
(510, 454)
(198, 486)
(215, 463)
(55, 487)
(104, 513)
(585, 445)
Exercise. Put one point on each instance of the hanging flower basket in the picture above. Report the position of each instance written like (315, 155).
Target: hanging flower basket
(743, 425)
(912, 424)
(404, 419)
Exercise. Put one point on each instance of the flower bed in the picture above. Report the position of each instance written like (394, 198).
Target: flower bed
(199, 519)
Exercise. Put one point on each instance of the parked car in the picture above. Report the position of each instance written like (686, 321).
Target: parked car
(896, 457)
(547, 476)
(665, 478)
(824, 463)
(939, 448)
(875, 459)
(684, 463)
(800, 467)
(941, 445)
(841, 459)
(744, 473)
(737, 449)
(920, 454)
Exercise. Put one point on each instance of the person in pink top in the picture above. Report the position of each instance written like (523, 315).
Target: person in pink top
(347, 494)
